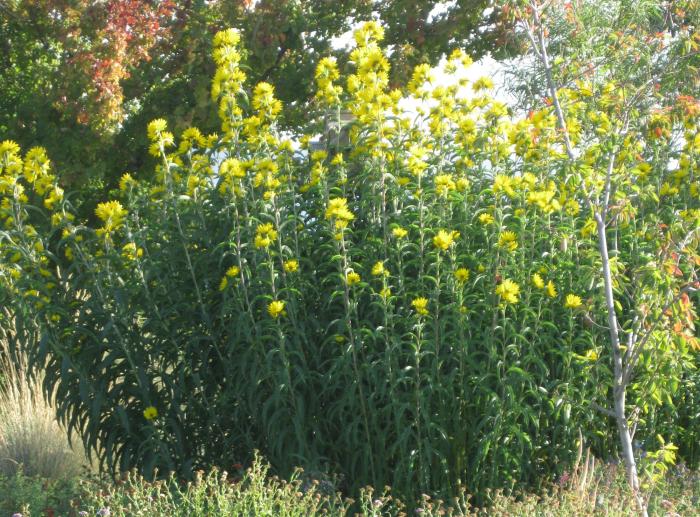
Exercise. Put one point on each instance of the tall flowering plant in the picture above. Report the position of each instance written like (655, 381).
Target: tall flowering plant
(420, 308)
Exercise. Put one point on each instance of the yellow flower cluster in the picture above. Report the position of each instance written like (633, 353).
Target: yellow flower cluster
(443, 240)
(420, 305)
(326, 74)
(508, 291)
(508, 241)
(112, 215)
(264, 235)
(339, 212)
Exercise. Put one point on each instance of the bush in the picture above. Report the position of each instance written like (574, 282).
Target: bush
(418, 303)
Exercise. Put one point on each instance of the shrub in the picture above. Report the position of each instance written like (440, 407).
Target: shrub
(418, 303)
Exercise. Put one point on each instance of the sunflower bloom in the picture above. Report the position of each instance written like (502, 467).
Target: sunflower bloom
(572, 301)
(291, 266)
(420, 305)
(508, 291)
(443, 240)
(352, 278)
(462, 275)
(537, 281)
(275, 308)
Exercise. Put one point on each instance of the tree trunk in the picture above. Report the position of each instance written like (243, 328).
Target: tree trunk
(620, 385)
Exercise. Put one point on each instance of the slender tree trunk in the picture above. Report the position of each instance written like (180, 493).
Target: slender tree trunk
(619, 385)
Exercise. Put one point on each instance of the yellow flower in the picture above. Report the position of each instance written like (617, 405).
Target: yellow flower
(126, 181)
(572, 301)
(265, 234)
(591, 355)
(443, 240)
(291, 266)
(399, 232)
(537, 281)
(378, 269)
(223, 284)
(444, 183)
(462, 275)
(420, 305)
(508, 291)
(508, 241)
(352, 278)
(155, 127)
(385, 293)
(338, 208)
(233, 271)
(112, 213)
(150, 413)
(131, 252)
(486, 218)
(276, 308)
(551, 290)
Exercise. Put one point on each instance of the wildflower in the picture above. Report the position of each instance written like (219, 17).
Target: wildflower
(591, 355)
(338, 209)
(420, 305)
(537, 281)
(551, 290)
(399, 233)
(486, 218)
(150, 413)
(508, 241)
(264, 235)
(378, 269)
(126, 181)
(223, 284)
(275, 308)
(444, 183)
(131, 252)
(233, 271)
(462, 275)
(385, 293)
(572, 301)
(291, 266)
(352, 278)
(227, 37)
(443, 240)
(340, 339)
(112, 213)
(155, 128)
(508, 291)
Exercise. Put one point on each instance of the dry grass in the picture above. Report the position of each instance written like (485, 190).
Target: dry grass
(31, 438)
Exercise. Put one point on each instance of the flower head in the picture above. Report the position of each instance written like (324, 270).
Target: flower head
(275, 308)
(443, 240)
(352, 278)
(537, 281)
(378, 269)
(462, 275)
(112, 214)
(150, 413)
(399, 232)
(508, 291)
(508, 241)
(291, 266)
(420, 305)
(572, 301)
(551, 290)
